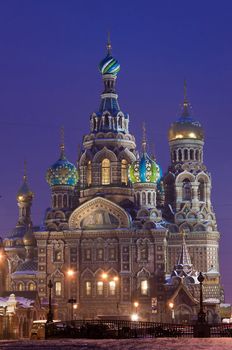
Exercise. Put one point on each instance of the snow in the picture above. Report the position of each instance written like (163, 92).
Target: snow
(122, 344)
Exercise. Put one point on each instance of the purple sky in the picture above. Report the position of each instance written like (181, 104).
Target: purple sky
(49, 52)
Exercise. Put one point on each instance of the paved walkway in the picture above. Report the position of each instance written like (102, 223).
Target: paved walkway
(123, 344)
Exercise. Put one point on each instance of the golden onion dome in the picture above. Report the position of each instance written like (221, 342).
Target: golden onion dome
(186, 127)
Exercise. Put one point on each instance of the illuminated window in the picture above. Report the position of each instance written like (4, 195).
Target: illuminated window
(89, 173)
(201, 190)
(57, 255)
(100, 254)
(144, 252)
(88, 288)
(58, 288)
(112, 254)
(87, 254)
(144, 287)
(100, 288)
(124, 176)
(20, 286)
(31, 286)
(187, 190)
(105, 172)
(112, 287)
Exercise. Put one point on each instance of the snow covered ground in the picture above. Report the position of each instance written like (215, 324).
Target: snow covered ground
(122, 344)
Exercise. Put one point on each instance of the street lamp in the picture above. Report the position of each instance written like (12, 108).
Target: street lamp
(70, 273)
(171, 305)
(201, 313)
(50, 313)
(72, 301)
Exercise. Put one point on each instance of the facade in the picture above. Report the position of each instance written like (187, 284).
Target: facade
(118, 230)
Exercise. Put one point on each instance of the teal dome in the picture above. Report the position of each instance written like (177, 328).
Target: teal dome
(144, 170)
(109, 65)
(62, 172)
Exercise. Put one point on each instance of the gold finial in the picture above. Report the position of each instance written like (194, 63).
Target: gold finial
(144, 139)
(25, 170)
(109, 46)
(62, 141)
(186, 104)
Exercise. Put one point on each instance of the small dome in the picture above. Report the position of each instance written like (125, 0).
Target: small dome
(24, 192)
(144, 170)
(29, 238)
(62, 172)
(109, 65)
(186, 128)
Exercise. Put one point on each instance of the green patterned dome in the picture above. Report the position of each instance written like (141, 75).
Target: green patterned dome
(144, 170)
(62, 172)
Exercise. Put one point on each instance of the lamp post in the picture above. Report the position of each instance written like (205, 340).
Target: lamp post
(50, 313)
(171, 305)
(201, 313)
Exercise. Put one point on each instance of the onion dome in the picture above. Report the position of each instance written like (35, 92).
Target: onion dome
(109, 65)
(62, 172)
(29, 238)
(145, 169)
(24, 193)
(186, 127)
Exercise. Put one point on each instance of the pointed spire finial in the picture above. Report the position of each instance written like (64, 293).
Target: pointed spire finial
(62, 141)
(25, 170)
(144, 139)
(109, 46)
(186, 104)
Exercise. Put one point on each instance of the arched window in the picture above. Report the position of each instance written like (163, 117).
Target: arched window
(88, 288)
(191, 154)
(57, 256)
(138, 198)
(180, 155)
(149, 197)
(89, 173)
(54, 201)
(174, 156)
(144, 287)
(105, 171)
(143, 198)
(20, 286)
(124, 176)
(197, 155)
(58, 288)
(65, 201)
(185, 154)
(31, 286)
(106, 121)
(59, 201)
(187, 190)
(201, 190)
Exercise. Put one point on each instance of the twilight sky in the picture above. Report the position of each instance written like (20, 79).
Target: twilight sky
(49, 52)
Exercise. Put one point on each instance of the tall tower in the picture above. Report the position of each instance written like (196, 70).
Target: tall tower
(187, 194)
(109, 148)
(24, 201)
(62, 177)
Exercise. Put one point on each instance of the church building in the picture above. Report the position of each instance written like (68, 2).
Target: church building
(121, 236)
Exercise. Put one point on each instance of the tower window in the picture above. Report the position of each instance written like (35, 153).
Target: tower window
(65, 200)
(112, 287)
(124, 176)
(20, 286)
(201, 190)
(100, 288)
(87, 254)
(185, 154)
(58, 288)
(100, 254)
(105, 172)
(31, 286)
(88, 288)
(187, 190)
(144, 287)
(89, 173)
(112, 254)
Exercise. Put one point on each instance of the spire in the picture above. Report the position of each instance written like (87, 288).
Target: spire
(25, 171)
(186, 104)
(109, 46)
(184, 258)
(144, 139)
(62, 154)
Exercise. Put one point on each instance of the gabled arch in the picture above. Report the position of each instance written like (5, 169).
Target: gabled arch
(203, 176)
(143, 273)
(104, 153)
(85, 157)
(87, 273)
(185, 175)
(185, 227)
(118, 216)
(128, 155)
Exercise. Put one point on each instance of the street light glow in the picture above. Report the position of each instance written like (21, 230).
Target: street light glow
(70, 273)
(136, 304)
(134, 317)
(171, 305)
(104, 276)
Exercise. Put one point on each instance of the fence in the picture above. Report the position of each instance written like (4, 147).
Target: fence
(103, 329)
